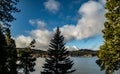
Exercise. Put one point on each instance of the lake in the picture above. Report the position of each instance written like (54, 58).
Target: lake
(83, 65)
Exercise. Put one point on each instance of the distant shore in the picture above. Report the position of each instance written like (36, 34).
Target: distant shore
(76, 53)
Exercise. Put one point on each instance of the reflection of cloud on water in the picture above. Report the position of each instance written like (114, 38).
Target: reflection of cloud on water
(38, 66)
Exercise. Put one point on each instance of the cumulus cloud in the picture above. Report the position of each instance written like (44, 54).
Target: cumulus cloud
(68, 32)
(41, 35)
(92, 19)
(40, 24)
(23, 41)
(52, 5)
(42, 38)
(90, 23)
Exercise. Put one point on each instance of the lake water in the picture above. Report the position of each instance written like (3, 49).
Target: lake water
(83, 65)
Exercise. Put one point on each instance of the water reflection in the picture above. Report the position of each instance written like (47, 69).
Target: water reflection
(83, 65)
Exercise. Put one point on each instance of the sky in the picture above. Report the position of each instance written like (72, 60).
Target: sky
(80, 22)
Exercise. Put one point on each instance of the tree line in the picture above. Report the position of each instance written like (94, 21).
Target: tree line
(58, 61)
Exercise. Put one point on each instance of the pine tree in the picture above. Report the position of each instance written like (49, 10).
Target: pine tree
(11, 53)
(58, 61)
(3, 44)
(109, 54)
(7, 7)
(27, 61)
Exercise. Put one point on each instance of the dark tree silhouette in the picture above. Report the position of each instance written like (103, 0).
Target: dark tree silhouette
(109, 54)
(11, 53)
(58, 61)
(27, 61)
(7, 7)
(7, 44)
(3, 44)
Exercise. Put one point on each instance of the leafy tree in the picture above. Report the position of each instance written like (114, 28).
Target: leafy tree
(109, 54)
(58, 61)
(11, 53)
(27, 61)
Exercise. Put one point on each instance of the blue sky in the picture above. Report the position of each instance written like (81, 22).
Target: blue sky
(80, 21)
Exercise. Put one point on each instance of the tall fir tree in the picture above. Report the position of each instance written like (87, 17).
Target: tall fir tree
(109, 54)
(27, 61)
(58, 61)
(11, 53)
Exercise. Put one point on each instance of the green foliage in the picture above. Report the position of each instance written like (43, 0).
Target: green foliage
(27, 61)
(58, 61)
(109, 53)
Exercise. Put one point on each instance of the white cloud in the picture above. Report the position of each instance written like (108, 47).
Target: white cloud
(90, 23)
(92, 19)
(40, 24)
(41, 35)
(52, 5)
(69, 32)
(90, 8)
(32, 22)
(22, 41)
(42, 38)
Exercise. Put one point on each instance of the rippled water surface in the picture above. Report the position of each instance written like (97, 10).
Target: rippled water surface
(83, 65)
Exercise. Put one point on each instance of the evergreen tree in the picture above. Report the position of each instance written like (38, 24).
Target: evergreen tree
(3, 44)
(58, 61)
(7, 7)
(27, 61)
(109, 54)
(11, 53)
